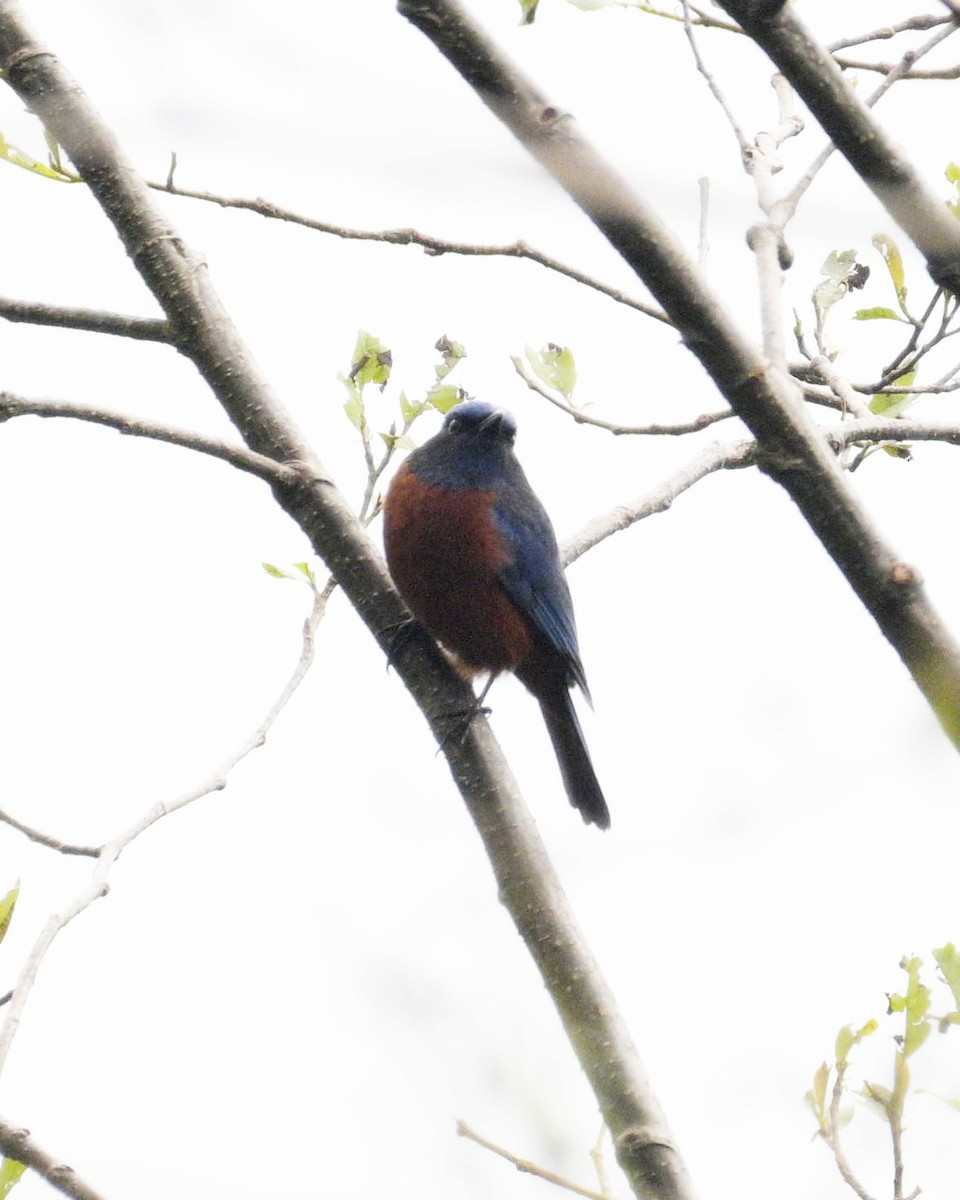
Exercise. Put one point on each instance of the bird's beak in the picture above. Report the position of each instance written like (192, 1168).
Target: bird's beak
(495, 419)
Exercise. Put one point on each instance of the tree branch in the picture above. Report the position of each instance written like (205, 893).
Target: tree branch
(411, 237)
(238, 456)
(851, 127)
(18, 1144)
(719, 457)
(98, 885)
(584, 418)
(526, 881)
(794, 450)
(144, 329)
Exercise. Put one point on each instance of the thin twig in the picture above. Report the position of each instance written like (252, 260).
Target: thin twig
(98, 884)
(44, 839)
(411, 237)
(832, 1137)
(792, 199)
(711, 82)
(526, 1166)
(881, 68)
(888, 31)
(584, 418)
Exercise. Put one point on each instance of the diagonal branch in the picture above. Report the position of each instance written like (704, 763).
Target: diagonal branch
(794, 451)
(879, 162)
(19, 1145)
(526, 880)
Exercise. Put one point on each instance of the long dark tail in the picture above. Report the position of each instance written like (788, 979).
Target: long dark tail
(579, 777)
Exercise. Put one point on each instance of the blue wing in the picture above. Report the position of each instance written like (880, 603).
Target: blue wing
(533, 577)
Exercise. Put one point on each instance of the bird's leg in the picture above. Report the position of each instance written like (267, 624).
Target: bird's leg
(462, 718)
(399, 632)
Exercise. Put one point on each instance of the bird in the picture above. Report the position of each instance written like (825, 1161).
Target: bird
(474, 556)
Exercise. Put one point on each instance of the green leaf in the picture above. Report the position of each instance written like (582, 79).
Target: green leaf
(410, 409)
(299, 573)
(445, 396)
(839, 264)
(894, 260)
(894, 404)
(878, 1098)
(847, 1038)
(914, 1004)
(816, 1098)
(7, 905)
(402, 441)
(371, 362)
(554, 365)
(10, 1173)
(452, 353)
(354, 406)
(877, 314)
(528, 10)
(915, 1037)
(953, 173)
(19, 158)
(948, 960)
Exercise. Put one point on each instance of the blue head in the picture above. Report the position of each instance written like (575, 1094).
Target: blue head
(474, 448)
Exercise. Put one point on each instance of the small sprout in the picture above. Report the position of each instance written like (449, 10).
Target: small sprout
(19, 158)
(894, 404)
(894, 260)
(842, 272)
(452, 353)
(948, 960)
(555, 366)
(445, 396)
(371, 362)
(879, 313)
(7, 905)
(10, 1173)
(953, 175)
(354, 406)
(300, 573)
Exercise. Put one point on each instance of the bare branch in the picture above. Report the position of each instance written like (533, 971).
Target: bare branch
(526, 1166)
(19, 1145)
(144, 329)
(238, 456)
(526, 881)
(44, 839)
(885, 32)
(791, 201)
(882, 166)
(711, 81)
(584, 418)
(719, 457)
(794, 451)
(411, 237)
(882, 68)
(903, 429)
(98, 885)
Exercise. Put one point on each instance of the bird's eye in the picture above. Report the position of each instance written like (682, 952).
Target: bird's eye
(453, 424)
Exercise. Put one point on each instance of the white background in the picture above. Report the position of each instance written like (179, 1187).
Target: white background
(295, 987)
